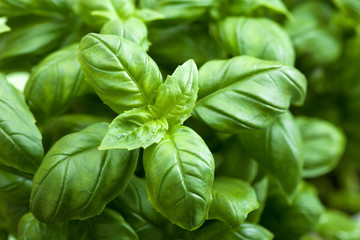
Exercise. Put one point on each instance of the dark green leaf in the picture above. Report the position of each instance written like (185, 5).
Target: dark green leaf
(31, 228)
(125, 78)
(246, 231)
(132, 29)
(179, 175)
(246, 93)
(278, 150)
(323, 145)
(269, 42)
(176, 97)
(233, 199)
(76, 180)
(109, 225)
(136, 128)
(55, 83)
(20, 140)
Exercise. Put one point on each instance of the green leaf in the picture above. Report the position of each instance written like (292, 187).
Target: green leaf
(132, 29)
(75, 167)
(261, 189)
(179, 177)
(51, 8)
(136, 128)
(350, 8)
(55, 84)
(31, 228)
(96, 13)
(177, 96)
(240, 7)
(134, 205)
(14, 198)
(125, 78)
(336, 225)
(233, 199)
(292, 220)
(246, 93)
(314, 33)
(323, 145)
(109, 225)
(269, 42)
(148, 15)
(278, 150)
(20, 140)
(246, 231)
(3, 26)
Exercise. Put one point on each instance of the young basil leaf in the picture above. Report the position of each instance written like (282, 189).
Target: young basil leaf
(125, 78)
(246, 93)
(96, 13)
(20, 140)
(55, 83)
(314, 33)
(176, 97)
(246, 231)
(109, 225)
(179, 11)
(278, 150)
(136, 128)
(134, 205)
(31, 228)
(292, 220)
(75, 167)
(323, 145)
(179, 177)
(233, 199)
(132, 29)
(269, 42)
(14, 198)
(3, 26)
(337, 225)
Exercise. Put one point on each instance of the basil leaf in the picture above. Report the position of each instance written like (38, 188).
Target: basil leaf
(14, 198)
(337, 225)
(31, 228)
(269, 42)
(132, 29)
(246, 231)
(179, 176)
(278, 150)
(261, 189)
(96, 13)
(55, 83)
(323, 145)
(75, 167)
(314, 33)
(292, 220)
(233, 199)
(177, 96)
(242, 7)
(125, 78)
(109, 225)
(3, 26)
(134, 129)
(233, 98)
(51, 8)
(20, 140)
(134, 205)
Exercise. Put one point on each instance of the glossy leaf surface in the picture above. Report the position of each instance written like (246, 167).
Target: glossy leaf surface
(179, 176)
(246, 231)
(125, 78)
(136, 128)
(269, 41)
(176, 97)
(55, 84)
(278, 150)
(233, 199)
(20, 139)
(246, 93)
(31, 228)
(76, 180)
(323, 145)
